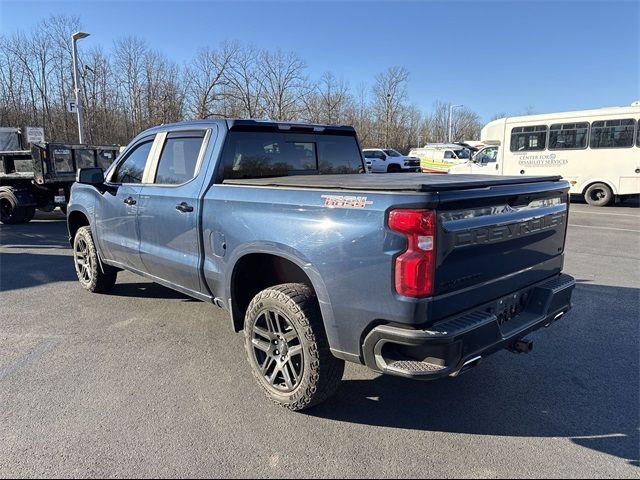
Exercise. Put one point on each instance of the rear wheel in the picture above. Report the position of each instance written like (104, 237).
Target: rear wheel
(10, 212)
(287, 347)
(598, 195)
(92, 276)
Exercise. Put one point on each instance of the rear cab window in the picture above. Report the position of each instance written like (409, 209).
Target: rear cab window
(275, 154)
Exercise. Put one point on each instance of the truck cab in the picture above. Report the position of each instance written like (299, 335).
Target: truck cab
(484, 161)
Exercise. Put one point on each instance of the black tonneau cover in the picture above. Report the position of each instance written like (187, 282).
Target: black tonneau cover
(412, 182)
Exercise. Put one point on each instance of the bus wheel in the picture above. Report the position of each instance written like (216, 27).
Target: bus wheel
(598, 195)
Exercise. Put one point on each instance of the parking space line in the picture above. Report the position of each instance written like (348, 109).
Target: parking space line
(605, 228)
(40, 350)
(604, 213)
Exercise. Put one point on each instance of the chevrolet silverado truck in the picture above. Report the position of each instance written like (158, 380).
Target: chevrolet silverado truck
(319, 262)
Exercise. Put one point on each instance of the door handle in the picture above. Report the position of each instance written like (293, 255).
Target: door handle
(184, 207)
(130, 201)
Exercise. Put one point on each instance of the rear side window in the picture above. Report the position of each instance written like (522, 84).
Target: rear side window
(179, 157)
(132, 168)
(526, 139)
(276, 154)
(566, 136)
(612, 133)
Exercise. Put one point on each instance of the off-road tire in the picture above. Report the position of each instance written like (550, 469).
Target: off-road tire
(598, 195)
(91, 275)
(10, 212)
(297, 305)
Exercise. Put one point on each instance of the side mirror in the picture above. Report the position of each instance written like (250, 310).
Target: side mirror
(90, 176)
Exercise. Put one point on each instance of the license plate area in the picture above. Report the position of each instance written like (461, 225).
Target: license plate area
(508, 309)
(59, 199)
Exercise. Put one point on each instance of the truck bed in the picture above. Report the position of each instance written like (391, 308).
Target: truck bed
(406, 182)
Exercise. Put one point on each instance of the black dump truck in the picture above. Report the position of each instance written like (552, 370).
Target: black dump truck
(42, 176)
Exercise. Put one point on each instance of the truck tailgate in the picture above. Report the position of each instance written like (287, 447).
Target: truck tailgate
(500, 238)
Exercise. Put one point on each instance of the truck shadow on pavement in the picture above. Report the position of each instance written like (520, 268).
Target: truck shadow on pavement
(580, 382)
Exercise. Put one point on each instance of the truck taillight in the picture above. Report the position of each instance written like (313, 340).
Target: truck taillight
(415, 267)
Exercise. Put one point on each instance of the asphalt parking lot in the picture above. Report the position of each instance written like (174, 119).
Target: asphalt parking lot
(147, 382)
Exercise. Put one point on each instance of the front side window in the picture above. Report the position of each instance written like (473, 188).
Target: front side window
(567, 136)
(462, 153)
(393, 153)
(488, 155)
(525, 139)
(612, 133)
(131, 169)
(179, 157)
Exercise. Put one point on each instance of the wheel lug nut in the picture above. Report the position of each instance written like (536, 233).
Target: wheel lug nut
(282, 358)
(277, 353)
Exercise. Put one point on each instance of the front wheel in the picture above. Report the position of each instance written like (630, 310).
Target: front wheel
(598, 195)
(287, 347)
(92, 276)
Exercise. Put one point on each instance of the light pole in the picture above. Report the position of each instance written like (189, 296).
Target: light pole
(451, 107)
(76, 86)
(388, 107)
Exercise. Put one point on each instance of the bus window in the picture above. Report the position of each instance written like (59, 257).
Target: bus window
(565, 136)
(528, 138)
(612, 133)
(638, 134)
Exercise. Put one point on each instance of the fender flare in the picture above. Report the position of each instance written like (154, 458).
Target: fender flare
(299, 259)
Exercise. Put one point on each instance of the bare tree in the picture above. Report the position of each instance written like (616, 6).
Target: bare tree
(206, 79)
(130, 87)
(284, 81)
(244, 84)
(389, 97)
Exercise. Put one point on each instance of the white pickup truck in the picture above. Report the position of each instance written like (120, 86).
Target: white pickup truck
(387, 160)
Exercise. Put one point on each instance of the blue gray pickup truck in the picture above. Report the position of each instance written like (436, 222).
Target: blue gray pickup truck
(318, 262)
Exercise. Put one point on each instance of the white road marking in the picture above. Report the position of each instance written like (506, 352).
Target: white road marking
(604, 213)
(605, 228)
(25, 360)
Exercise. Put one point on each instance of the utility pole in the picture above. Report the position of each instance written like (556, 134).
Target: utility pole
(76, 86)
(451, 107)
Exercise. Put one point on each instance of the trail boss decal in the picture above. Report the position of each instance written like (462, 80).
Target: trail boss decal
(345, 201)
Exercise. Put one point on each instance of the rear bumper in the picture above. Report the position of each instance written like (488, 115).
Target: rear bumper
(455, 344)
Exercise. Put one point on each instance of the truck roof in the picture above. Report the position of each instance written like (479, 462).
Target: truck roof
(239, 124)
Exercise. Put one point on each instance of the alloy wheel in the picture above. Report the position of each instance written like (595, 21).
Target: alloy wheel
(277, 351)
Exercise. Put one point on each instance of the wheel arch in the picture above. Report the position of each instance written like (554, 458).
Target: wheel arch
(593, 181)
(76, 220)
(275, 265)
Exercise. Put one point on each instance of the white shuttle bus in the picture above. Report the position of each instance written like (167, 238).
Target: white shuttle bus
(597, 151)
